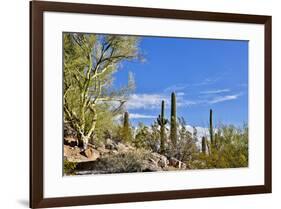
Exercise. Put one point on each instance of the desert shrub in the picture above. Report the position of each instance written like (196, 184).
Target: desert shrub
(147, 137)
(153, 141)
(132, 161)
(229, 151)
(69, 167)
(186, 148)
(124, 132)
(142, 136)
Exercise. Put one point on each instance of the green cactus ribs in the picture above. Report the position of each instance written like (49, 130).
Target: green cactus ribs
(162, 123)
(211, 127)
(173, 128)
(127, 132)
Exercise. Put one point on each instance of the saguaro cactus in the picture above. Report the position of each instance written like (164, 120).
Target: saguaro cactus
(162, 122)
(126, 120)
(127, 133)
(204, 145)
(173, 128)
(211, 127)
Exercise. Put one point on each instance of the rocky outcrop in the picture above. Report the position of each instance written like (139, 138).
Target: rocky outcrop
(71, 141)
(176, 163)
(91, 154)
(159, 160)
(116, 157)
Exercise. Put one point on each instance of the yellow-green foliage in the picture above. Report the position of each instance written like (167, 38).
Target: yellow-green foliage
(105, 124)
(230, 150)
(90, 61)
(124, 131)
(142, 136)
(69, 167)
(148, 137)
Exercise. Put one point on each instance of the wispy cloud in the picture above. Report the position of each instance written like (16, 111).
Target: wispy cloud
(141, 116)
(153, 101)
(216, 91)
(207, 81)
(223, 98)
(145, 101)
(176, 87)
(180, 93)
(183, 86)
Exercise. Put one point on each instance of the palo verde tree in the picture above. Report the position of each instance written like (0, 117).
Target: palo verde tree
(89, 63)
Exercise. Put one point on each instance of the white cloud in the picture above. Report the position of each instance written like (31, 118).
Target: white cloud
(176, 87)
(153, 101)
(223, 98)
(180, 93)
(145, 101)
(142, 116)
(185, 103)
(217, 91)
(207, 81)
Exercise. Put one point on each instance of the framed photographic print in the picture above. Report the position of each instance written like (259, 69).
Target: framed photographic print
(138, 104)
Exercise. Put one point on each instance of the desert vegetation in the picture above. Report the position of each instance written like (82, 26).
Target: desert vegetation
(99, 137)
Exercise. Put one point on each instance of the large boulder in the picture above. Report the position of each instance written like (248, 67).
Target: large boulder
(177, 163)
(110, 144)
(120, 147)
(159, 160)
(151, 166)
(91, 154)
(71, 141)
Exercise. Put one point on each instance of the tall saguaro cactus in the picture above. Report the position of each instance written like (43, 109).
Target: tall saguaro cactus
(162, 122)
(173, 128)
(126, 120)
(204, 145)
(211, 128)
(127, 132)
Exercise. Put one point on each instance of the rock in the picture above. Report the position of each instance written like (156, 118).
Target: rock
(159, 160)
(95, 155)
(163, 162)
(102, 150)
(109, 144)
(151, 166)
(114, 152)
(71, 141)
(176, 163)
(88, 153)
(173, 161)
(91, 154)
(120, 147)
(183, 165)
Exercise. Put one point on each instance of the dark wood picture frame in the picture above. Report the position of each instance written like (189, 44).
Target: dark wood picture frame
(37, 9)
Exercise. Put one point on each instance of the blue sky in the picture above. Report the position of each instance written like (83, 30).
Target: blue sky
(204, 74)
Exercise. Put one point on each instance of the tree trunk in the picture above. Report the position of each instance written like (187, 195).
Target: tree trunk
(85, 141)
